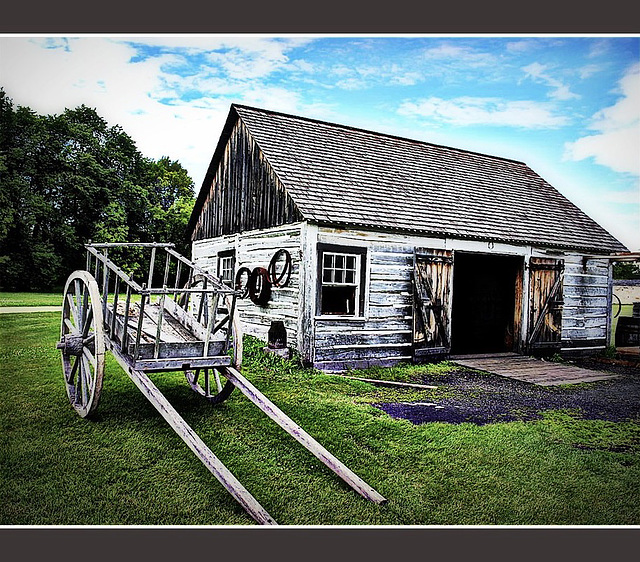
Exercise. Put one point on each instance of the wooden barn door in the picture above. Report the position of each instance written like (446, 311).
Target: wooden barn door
(545, 305)
(432, 276)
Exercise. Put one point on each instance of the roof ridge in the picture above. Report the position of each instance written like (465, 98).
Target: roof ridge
(372, 132)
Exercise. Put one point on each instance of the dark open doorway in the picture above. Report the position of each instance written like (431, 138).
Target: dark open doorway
(486, 294)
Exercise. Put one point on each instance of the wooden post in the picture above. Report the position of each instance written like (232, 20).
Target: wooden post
(189, 436)
(125, 325)
(140, 322)
(116, 292)
(151, 266)
(156, 347)
(300, 435)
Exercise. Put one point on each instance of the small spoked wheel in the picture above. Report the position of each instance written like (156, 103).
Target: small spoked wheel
(82, 342)
(210, 383)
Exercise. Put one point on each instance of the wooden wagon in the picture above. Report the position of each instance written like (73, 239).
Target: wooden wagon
(180, 319)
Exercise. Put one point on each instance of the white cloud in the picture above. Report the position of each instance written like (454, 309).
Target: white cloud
(521, 46)
(616, 144)
(599, 48)
(467, 111)
(461, 53)
(539, 72)
(589, 70)
(163, 101)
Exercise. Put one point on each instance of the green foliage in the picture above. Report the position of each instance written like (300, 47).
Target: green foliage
(626, 270)
(609, 352)
(70, 178)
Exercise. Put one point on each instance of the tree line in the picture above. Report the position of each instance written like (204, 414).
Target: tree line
(70, 178)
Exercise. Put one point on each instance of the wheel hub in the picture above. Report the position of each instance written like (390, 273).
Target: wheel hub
(71, 344)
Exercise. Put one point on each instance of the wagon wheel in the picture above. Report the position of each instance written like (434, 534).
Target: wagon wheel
(82, 342)
(619, 305)
(211, 382)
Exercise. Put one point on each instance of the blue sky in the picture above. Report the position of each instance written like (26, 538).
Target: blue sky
(568, 106)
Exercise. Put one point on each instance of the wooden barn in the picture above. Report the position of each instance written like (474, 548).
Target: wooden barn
(371, 249)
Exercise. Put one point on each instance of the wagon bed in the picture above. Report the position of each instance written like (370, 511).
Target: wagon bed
(179, 347)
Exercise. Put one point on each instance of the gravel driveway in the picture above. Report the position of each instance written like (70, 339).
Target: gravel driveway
(481, 398)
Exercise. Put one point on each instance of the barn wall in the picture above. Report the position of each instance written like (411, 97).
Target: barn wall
(587, 303)
(255, 249)
(245, 193)
(383, 336)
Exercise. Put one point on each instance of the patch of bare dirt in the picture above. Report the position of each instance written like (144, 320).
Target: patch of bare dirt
(482, 398)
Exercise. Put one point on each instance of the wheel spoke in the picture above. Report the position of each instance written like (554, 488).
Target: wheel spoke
(78, 382)
(70, 325)
(78, 305)
(72, 308)
(87, 323)
(86, 382)
(207, 386)
(85, 311)
(72, 373)
(86, 353)
(218, 383)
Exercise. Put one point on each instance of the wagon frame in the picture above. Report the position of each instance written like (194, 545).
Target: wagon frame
(188, 324)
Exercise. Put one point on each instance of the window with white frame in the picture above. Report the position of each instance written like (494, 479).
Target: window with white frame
(341, 281)
(226, 266)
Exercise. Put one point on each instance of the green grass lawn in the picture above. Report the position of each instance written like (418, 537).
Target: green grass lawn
(30, 299)
(126, 466)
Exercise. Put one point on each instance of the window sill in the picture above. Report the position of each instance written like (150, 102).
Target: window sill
(341, 317)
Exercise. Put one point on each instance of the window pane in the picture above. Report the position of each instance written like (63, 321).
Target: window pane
(351, 262)
(328, 260)
(326, 276)
(339, 276)
(350, 277)
(338, 300)
(339, 262)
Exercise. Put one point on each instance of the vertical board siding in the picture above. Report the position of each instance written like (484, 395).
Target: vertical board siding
(255, 249)
(585, 314)
(245, 194)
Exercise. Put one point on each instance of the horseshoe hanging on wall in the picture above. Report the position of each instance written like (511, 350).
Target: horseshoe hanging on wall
(282, 279)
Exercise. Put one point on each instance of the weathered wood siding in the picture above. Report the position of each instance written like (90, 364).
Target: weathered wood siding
(255, 249)
(587, 303)
(384, 334)
(245, 193)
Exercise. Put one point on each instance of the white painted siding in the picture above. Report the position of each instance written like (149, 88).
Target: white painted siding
(587, 302)
(255, 249)
(384, 334)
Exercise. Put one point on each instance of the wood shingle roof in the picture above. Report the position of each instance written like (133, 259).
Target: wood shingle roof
(343, 176)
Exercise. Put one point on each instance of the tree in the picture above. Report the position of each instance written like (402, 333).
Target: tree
(626, 270)
(70, 178)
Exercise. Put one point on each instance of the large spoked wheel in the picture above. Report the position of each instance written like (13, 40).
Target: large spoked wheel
(82, 342)
(210, 383)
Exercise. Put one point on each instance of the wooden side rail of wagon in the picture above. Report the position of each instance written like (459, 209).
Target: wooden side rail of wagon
(190, 324)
